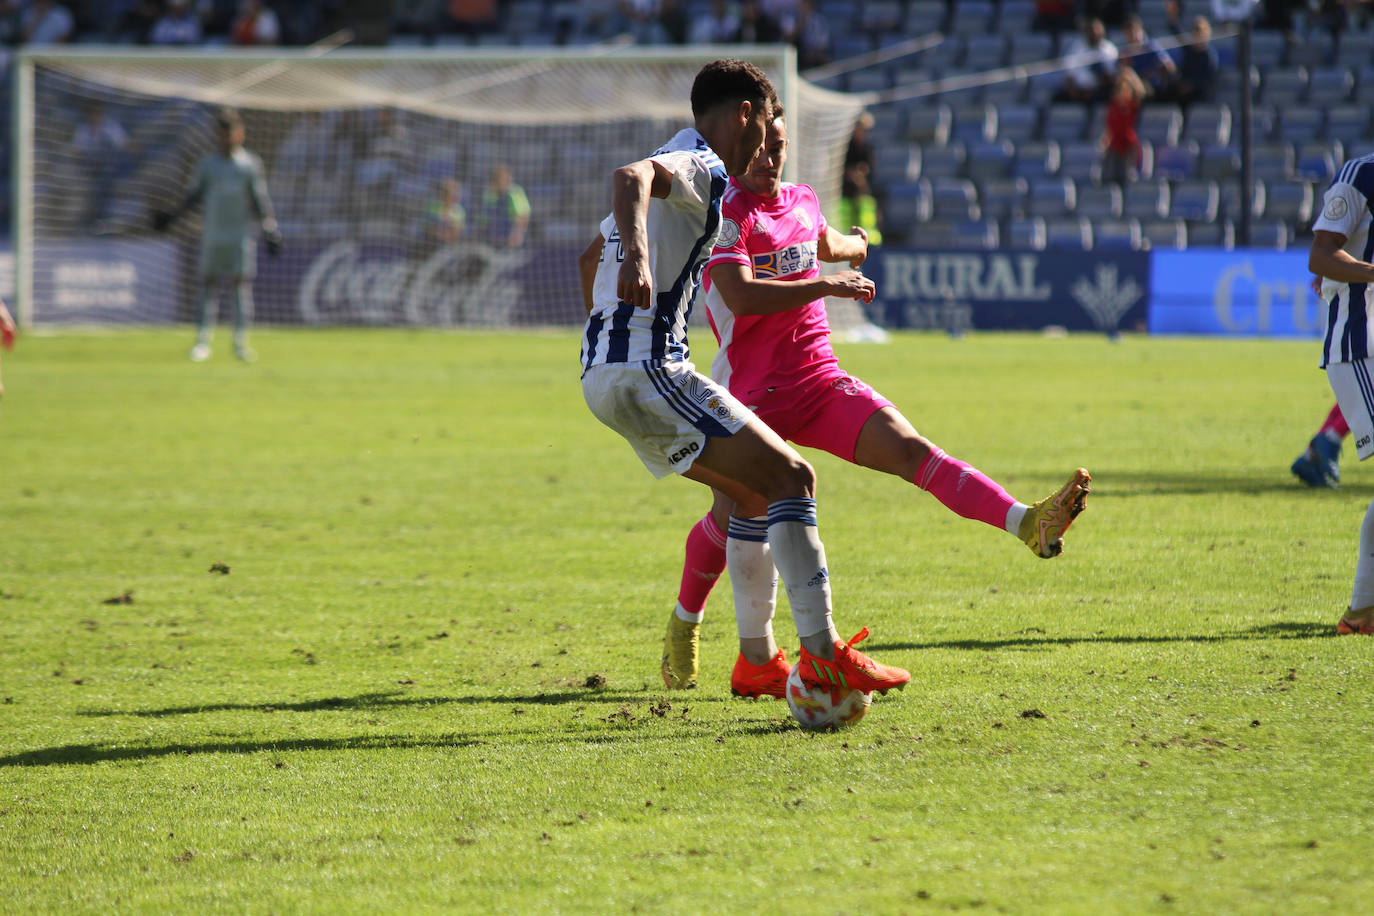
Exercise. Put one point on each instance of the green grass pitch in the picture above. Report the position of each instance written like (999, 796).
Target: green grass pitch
(373, 626)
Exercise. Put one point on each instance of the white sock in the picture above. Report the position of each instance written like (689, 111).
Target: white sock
(1014, 516)
(753, 579)
(683, 614)
(1362, 595)
(800, 559)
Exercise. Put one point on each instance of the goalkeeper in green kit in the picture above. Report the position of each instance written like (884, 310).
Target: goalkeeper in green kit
(232, 184)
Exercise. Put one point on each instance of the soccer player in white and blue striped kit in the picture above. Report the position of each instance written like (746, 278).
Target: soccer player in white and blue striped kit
(640, 278)
(1341, 253)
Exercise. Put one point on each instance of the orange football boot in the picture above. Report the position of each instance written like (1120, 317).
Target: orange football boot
(766, 680)
(851, 668)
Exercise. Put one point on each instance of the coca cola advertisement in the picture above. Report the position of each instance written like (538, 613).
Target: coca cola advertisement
(349, 281)
(345, 281)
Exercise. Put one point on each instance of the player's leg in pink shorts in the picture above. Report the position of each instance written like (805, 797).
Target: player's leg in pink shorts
(827, 411)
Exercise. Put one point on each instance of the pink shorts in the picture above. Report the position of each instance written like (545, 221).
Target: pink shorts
(827, 411)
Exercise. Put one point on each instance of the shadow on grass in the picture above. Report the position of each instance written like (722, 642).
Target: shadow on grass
(99, 753)
(1121, 484)
(397, 699)
(86, 754)
(1270, 631)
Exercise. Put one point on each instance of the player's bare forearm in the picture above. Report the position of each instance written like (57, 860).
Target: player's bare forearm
(1328, 258)
(834, 247)
(745, 294)
(586, 270)
(631, 187)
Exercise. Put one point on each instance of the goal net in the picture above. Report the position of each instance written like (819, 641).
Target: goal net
(386, 171)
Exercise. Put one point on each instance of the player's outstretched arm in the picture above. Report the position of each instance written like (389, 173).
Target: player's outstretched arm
(1328, 258)
(586, 269)
(631, 187)
(745, 294)
(834, 247)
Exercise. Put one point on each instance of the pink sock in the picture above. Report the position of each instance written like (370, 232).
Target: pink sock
(1335, 422)
(703, 565)
(964, 489)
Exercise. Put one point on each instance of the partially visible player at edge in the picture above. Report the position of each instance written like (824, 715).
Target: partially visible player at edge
(233, 185)
(766, 300)
(639, 280)
(1340, 254)
(1320, 463)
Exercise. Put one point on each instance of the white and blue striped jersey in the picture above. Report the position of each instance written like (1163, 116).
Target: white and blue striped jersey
(1346, 210)
(682, 229)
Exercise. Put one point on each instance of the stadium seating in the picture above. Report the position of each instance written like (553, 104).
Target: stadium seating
(1069, 232)
(1213, 234)
(1032, 163)
(990, 160)
(1146, 200)
(1165, 234)
(1025, 233)
(1099, 202)
(1052, 198)
(1195, 200)
(1002, 199)
(1118, 234)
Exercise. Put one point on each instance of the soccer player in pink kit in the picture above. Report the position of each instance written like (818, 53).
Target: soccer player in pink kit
(765, 297)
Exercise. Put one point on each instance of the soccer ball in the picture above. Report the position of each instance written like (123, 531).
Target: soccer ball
(824, 706)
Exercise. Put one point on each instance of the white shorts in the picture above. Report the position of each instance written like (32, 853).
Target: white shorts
(666, 411)
(1353, 384)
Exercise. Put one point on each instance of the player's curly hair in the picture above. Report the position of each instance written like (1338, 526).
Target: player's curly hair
(730, 82)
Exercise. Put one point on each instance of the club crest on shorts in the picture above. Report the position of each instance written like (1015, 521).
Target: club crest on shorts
(716, 406)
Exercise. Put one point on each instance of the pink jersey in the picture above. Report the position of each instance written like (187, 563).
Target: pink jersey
(776, 237)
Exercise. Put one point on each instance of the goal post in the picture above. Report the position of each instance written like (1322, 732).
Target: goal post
(364, 152)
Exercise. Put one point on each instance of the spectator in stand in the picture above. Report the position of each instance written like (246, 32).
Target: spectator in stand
(255, 24)
(1173, 15)
(640, 19)
(1092, 71)
(444, 218)
(9, 22)
(100, 146)
(1144, 55)
(1278, 15)
(136, 23)
(858, 199)
(811, 35)
(717, 27)
(504, 214)
(1055, 16)
(1120, 144)
(178, 25)
(417, 17)
(1332, 15)
(675, 21)
(1111, 12)
(1197, 66)
(472, 17)
(47, 22)
(755, 26)
(389, 159)
(860, 151)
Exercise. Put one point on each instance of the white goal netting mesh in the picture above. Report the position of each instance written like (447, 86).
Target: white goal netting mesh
(382, 170)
